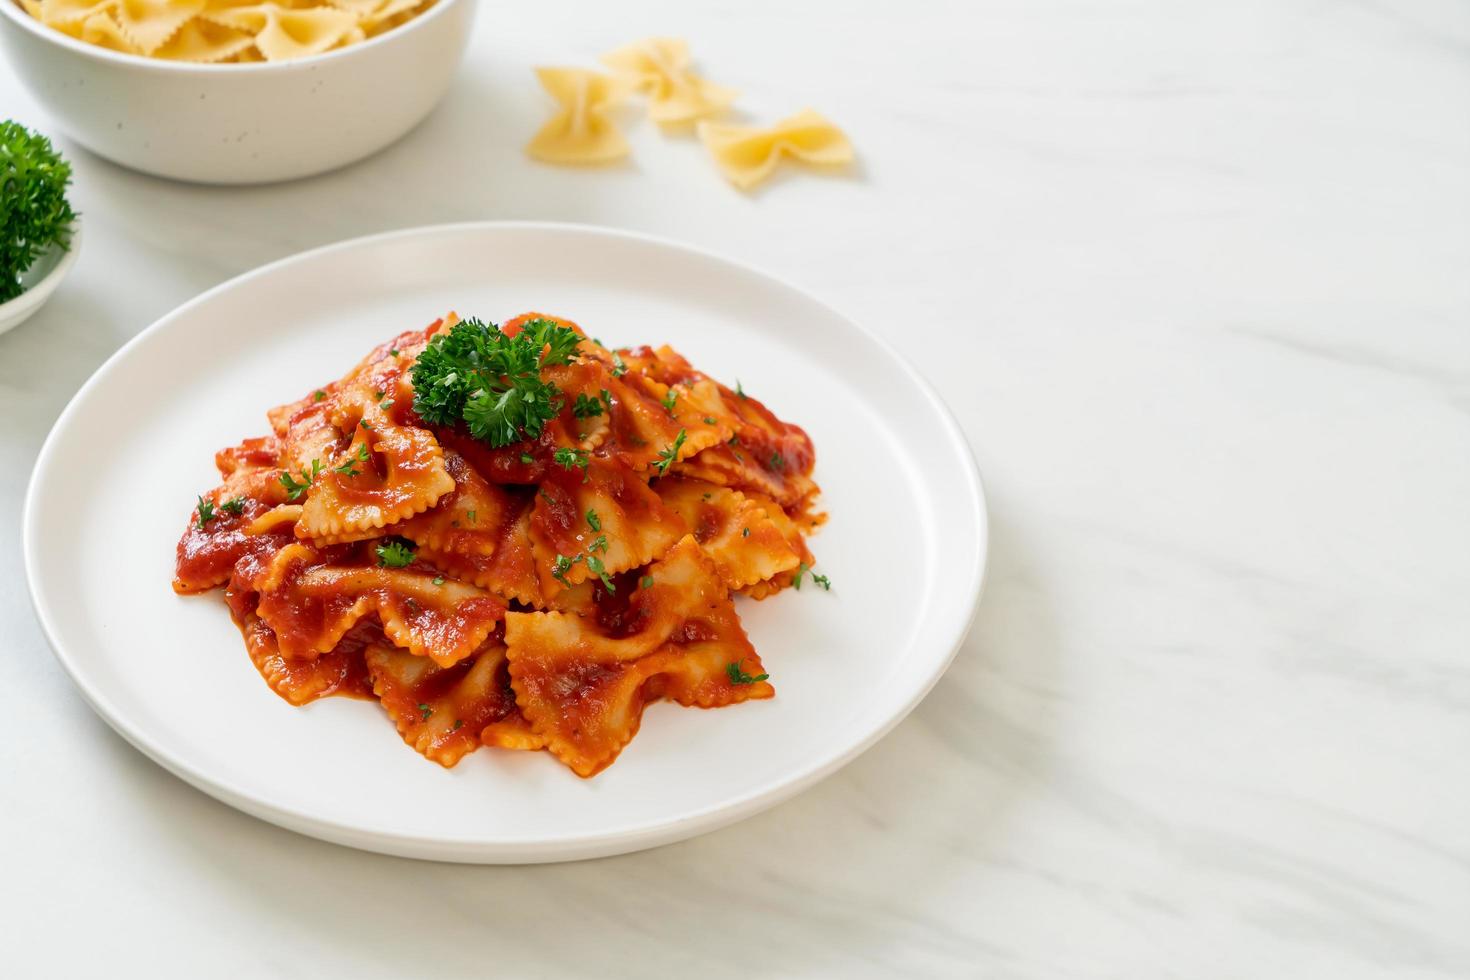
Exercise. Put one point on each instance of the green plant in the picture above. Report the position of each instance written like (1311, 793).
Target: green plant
(34, 212)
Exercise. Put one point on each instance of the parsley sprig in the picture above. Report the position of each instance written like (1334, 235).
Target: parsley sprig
(738, 676)
(821, 581)
(34, 213)
(666, 457)
(586, 408)
(492, 381)
(295, 488)
(206, 512)
(395, 554)
(349, 468)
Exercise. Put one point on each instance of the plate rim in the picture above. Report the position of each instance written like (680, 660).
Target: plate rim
(604, 843)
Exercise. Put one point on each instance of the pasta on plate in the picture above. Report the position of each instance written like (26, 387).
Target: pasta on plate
(509, 536)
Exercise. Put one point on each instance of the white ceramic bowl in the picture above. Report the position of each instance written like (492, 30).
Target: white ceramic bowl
(40, 280)
(240, 124)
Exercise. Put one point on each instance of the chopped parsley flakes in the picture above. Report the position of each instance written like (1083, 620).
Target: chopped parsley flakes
(666, 457)
(595, 566)
(349, 468)
(593, 521)
(738, 676)
(568, 458)
(561, 566)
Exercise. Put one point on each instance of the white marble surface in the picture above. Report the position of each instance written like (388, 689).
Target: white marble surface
(1196, 279)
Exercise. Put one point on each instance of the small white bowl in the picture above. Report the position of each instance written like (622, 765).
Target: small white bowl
(247, 123)
(41, 279)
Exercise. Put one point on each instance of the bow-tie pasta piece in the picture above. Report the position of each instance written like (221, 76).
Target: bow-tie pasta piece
(659, 67)
(509, 567)
(298, 682)
(468, 520)
(747, 155)
(390, 15)
(595, 522)
(582, 130)
(583, 684)
(150, 23)
(445, 713)
(386, 474)
(103, 31)
(735, 532)
(312, 598)
(282, 33)
(69, 13)
(204, 42)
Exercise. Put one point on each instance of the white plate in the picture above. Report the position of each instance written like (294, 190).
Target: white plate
(905, 545)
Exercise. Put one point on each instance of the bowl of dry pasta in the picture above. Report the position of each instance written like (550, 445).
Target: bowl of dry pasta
(232, 91)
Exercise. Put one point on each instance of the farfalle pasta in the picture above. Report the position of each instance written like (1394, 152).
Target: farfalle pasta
(747, 155)
(223, 31)
(511, 536)
(660, 68)
(581, 130)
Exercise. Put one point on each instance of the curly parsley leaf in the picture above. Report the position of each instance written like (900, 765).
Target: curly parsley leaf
(34, 212)
(235, 505)
(206, 512)
(295, 488)
(586, 408)
(395, 554)
(491, 380)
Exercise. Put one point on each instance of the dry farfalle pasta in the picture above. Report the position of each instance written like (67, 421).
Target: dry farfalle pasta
(581, 131)
(747, 155)
(223, 31)
(659, 67)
